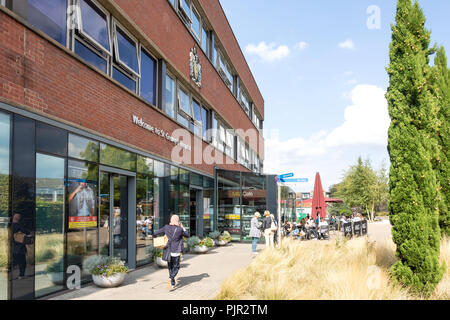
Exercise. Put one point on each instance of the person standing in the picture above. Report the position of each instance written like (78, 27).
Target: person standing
(255, 231)
(175, 233)
(268, 233)
(275, 231)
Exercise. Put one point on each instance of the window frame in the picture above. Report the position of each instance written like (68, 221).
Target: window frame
(141, 47)
(79, 27)
(179, 109)
(119, 62)
(182, 11)
(200, 22)
(174, 95)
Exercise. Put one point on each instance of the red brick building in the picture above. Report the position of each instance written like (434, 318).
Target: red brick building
(113, 111)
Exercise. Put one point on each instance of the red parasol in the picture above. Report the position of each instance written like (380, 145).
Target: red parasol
(318, 200)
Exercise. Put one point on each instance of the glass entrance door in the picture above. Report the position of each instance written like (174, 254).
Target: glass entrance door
(114, 215)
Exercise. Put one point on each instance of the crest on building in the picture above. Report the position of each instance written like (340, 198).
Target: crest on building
(195, 67)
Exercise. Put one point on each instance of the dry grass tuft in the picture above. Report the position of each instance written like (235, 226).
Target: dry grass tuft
(334, 270)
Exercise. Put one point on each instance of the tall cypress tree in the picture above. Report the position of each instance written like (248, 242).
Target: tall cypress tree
(413, 194)
(442, 166)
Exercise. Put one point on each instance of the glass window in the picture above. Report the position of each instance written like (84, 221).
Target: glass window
(205, 41)
(197, 111)
(196, 26)
(144, 165)
(126, 50)
(229, 206)
(205, 119)
(116, 157)
(49, 243)
(51, 139)
(82, 193)
(172, 2)
(186, 6)
(184, 102)
(89, 56)
(169, 103)
(182, 120)
(123, 79)
(94, 24)
(50, 17)
(144, 217)
(148, 77)
(5, 128)
(82, 148)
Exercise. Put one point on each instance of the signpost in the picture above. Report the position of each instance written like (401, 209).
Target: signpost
(284, 178)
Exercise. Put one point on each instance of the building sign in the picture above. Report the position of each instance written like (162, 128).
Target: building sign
(159, 132)
(195, 67)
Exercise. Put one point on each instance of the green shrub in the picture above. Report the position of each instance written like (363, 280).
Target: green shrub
(193, 241)
(214, 235)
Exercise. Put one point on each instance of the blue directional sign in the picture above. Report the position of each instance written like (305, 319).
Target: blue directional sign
(287, 175)
(295, 180)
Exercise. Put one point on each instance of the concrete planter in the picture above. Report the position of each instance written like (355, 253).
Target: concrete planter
(109, 282)
(200, 249)
(161, 263)
(221, 243)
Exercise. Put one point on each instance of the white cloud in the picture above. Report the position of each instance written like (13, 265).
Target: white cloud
(351, 82)
(301, 46)
(363, 133)
(268, 52)
(366, 121)
(347, 44)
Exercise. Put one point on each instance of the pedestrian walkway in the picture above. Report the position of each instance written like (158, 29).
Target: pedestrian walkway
(200, 278)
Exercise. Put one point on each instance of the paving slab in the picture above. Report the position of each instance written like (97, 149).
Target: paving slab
(200, 278)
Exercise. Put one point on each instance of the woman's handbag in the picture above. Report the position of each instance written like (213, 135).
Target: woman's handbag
(160, 242)
(166, 251)
(273, 226)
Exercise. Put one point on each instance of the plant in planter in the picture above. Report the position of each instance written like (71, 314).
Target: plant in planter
(208, 242)
(224, 239)
(197, 245)
(214, 235)
(108, 272)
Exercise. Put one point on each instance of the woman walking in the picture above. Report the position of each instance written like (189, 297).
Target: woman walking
(255, 231)
(175, 233)
(267, 227)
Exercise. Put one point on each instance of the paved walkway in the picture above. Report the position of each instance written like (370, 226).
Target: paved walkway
(200, 276)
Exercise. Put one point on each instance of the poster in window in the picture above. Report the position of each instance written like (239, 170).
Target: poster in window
(82, 198)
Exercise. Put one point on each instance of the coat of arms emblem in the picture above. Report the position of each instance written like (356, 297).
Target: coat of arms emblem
(195, 67)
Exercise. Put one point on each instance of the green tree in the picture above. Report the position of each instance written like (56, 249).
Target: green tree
(360, 188)
(413, 188)
(441, 165)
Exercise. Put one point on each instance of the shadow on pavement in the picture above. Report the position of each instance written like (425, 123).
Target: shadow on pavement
(184, 281)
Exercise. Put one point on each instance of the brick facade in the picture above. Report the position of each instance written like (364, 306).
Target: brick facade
(42, 76)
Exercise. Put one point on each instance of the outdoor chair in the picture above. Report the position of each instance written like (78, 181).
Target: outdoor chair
(348, 232)
(357, 228)
(364, 227)
(324, 232)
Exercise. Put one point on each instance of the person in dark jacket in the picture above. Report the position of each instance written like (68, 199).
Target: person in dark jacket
(266, 226)
(175, 233)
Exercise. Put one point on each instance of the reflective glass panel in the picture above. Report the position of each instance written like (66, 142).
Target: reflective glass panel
(144, 165)
(182, 120)
(82, 148)
(169, 103)
(49, 243)
(94, 23)
(89, 56)
(127, 50)
(50, 17)
(116, 157)
(186, 6)
(184, 102)
(196, 24)
(122, 78)
(144, 218)
(229, 206)
(148, 78)
(197, 111)
(205, 123)
(51, 139)
(5, 128)
(204, 40)
(82, 195)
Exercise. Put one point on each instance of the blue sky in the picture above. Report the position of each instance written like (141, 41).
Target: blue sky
(321, 71)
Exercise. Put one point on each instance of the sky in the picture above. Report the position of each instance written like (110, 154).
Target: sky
(320, 66)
